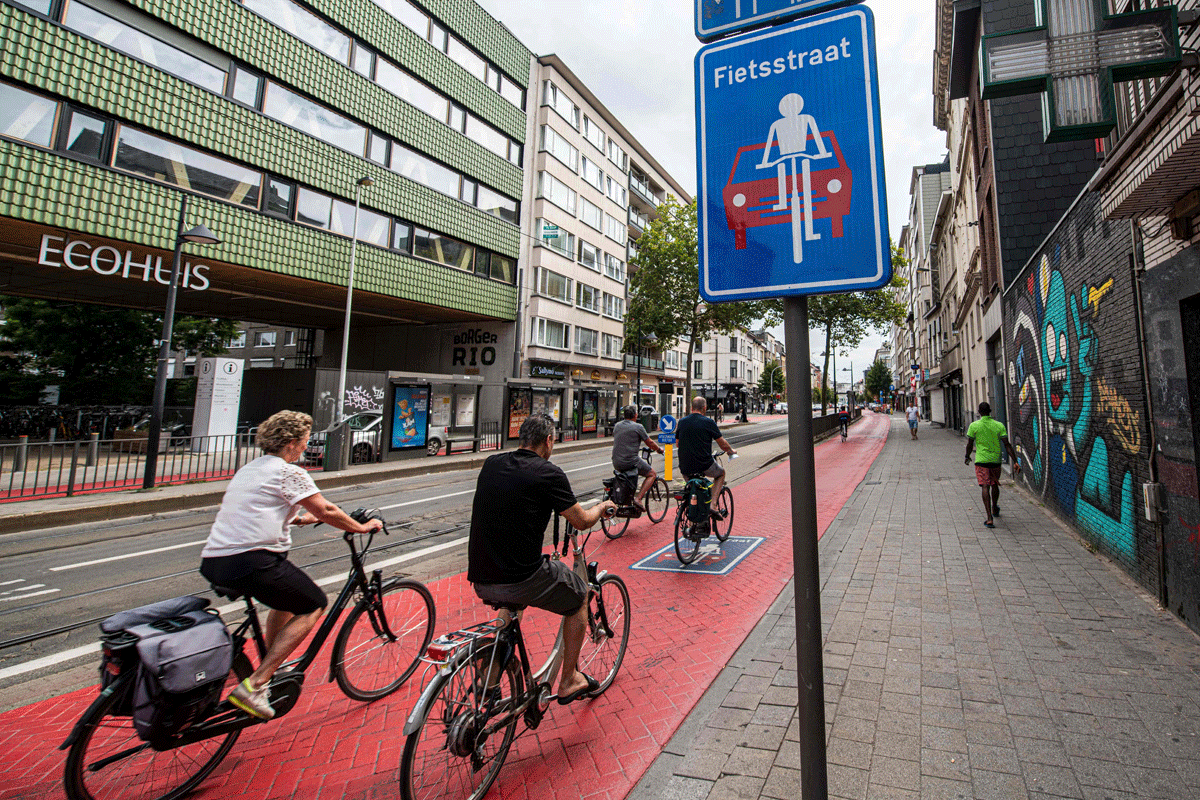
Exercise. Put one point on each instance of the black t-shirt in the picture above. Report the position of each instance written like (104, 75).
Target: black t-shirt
(514, 497)
(696, 434)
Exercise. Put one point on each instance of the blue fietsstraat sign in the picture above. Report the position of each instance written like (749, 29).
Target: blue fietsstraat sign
(790, 160)
(715, 18)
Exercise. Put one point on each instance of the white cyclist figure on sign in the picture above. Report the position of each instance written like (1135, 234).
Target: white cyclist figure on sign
(790, 134)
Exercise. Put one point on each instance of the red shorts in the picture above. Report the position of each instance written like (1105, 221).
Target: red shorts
(987, 475)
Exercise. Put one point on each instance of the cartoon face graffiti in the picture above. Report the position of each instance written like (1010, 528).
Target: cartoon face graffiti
(1057, 357)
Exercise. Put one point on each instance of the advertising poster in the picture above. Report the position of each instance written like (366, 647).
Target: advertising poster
(518, 410)
(439, 411)
(465, 416)
(411, 418)
(589, 412)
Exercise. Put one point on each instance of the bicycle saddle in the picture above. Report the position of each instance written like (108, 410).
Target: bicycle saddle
(225, 591)
(513, 607)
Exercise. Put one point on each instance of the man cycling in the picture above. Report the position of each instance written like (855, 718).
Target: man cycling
(695, 435)
(628, 435)
(844, 421)
(514, 497)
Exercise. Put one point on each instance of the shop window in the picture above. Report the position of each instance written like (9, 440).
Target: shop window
(27, 116)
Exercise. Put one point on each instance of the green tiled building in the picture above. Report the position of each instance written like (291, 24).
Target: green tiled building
(264, 115)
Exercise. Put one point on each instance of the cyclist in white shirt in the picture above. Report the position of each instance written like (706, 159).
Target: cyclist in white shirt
(250, 538)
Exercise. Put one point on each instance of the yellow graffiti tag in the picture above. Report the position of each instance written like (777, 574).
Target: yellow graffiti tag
(1126, 423)
(1095, 294)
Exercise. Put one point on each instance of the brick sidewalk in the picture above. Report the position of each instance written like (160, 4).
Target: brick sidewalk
(685, 629)
(960, 662)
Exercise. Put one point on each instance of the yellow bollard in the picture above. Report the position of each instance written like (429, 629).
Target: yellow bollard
(669, 461)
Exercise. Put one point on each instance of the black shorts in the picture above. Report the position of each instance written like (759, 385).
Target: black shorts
(269, 578)
(554, 587)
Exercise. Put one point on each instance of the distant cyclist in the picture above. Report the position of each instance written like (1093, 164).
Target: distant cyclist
(628, 435)
(696, 434)
(844, 421)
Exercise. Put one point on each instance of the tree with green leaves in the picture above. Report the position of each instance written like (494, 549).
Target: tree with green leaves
(97, 355)
(879, 378)
(772, 380)
(664, 289)
(847, 318)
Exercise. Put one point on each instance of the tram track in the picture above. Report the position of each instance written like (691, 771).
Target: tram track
(427, 528)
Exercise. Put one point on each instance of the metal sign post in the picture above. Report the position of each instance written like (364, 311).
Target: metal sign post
(810, 672)
(666, 437)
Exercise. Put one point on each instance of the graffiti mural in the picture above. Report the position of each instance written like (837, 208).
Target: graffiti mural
(1076, 415)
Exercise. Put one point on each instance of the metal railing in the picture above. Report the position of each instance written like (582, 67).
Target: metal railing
(63, 469)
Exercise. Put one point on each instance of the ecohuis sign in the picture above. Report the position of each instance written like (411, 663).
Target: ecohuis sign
(81, 255)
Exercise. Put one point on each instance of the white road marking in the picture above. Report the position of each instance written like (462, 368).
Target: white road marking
(126, 555)
(9, 583)
(90, 649)
(425, 500)
(29, 594)
(589, 466)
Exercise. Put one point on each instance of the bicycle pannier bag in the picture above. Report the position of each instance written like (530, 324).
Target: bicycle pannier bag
(184, 661)
(699, 489)
(119, 647)
(623, 486)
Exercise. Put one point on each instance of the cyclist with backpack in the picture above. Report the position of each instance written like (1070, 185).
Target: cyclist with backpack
(628, 435)
(248, 544)
(696, 434)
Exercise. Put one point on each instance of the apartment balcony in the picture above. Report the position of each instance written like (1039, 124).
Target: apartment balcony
(640, 190)
(637, 222)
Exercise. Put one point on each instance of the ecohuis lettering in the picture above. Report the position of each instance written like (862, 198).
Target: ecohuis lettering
(104, 259)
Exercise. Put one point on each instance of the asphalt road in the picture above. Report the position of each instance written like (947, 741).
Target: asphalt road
(57, 584)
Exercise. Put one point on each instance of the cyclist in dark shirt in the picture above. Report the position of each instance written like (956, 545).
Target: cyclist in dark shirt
(514, 497)
(695, 435)
(844, 421)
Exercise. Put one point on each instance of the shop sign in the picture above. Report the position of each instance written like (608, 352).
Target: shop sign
(82, 256)
(647, 388)
(595, 374)
(474, 347)
(555, 371)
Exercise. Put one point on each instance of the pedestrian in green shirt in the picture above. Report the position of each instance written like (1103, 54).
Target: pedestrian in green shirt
(987, 435)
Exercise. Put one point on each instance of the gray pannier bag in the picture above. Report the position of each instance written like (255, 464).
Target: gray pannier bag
(184, 654)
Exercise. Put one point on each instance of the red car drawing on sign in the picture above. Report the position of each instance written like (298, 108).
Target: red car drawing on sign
(752, 194)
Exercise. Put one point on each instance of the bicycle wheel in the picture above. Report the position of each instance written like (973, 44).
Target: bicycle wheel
(614, 527)
(108, 760)
(658, 500)
(381, 643)
(723, 527)
(607, 632)
(687, 544)
(453, 754)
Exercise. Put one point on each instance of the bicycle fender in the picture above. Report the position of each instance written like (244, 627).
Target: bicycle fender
(421, 710)
(78, 726)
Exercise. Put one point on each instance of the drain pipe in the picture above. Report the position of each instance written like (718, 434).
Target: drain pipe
(1153, 493)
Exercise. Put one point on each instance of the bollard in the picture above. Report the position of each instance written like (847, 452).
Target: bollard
(22, 452)
(93, 451)
(50, 435)
(74, 464)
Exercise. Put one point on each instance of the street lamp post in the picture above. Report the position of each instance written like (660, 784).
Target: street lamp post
(197, 235)
(637, 392)
(773, 380)
(341, 395)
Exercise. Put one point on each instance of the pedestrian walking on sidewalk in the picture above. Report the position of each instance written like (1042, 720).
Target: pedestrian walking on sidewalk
(914, 416)
(986, 436)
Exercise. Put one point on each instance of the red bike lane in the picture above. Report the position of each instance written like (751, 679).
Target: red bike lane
(685, 628)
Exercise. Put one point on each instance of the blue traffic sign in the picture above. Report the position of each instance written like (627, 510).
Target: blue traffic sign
(716, 18)
(790, 160)
(666, 438)
(667, 423)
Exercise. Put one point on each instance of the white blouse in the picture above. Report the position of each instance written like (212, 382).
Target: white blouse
(259, 504)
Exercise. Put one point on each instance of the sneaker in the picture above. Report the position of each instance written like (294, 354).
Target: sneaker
(716, 514)
(254, 702)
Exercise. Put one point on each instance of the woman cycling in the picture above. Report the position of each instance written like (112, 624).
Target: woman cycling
(250, 538)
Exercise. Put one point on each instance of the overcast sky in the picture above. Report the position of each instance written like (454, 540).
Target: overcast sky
(637, 57)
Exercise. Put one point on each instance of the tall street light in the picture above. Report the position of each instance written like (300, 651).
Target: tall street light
(649, 338)
(341, 395)
(197, 235)
(773, 371)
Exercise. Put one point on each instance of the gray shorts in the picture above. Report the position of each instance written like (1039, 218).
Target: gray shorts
(642, 466)
(714, 470)
(553, 587)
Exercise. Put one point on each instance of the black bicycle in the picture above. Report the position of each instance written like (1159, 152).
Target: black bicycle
(461, 729)
(376, 650)
(657, 500)
(697, 518)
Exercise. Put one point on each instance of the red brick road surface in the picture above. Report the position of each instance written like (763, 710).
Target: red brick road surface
(685, 627)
